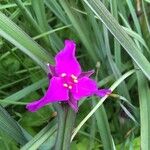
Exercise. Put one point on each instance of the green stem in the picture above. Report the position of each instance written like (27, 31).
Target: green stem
(61, 125)
(66, 119)
(70, 119)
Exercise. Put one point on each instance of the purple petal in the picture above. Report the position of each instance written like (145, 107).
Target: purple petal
(85, 87)
(56, 92)
(103, 92)
(49, 76)
(34, 106)
(66, 61)
(87, 74)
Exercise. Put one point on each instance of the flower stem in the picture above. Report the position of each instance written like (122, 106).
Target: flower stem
(61, 125)
(66, 119)
(70, 119)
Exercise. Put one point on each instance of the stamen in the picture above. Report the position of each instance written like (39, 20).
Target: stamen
(73, 77)
(63, 75)
(70, 87)
(65, 85)
(47, 64)
(75, 81)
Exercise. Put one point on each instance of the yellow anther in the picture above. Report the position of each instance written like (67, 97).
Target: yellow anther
(70, 87)
(65, 85)
(63, 75)
(73, 77)
(75, 81)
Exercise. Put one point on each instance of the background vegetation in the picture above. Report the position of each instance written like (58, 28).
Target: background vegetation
(112, 36)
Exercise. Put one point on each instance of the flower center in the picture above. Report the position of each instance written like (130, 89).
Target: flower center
(68, 81)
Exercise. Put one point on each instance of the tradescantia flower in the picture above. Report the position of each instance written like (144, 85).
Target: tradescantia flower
(67, 81)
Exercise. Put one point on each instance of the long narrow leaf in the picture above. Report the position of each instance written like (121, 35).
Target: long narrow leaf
(101, 102)
(104, 15)
(21, 40)
(9, 125)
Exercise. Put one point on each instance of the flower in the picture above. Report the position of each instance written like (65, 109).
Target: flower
(67, 81)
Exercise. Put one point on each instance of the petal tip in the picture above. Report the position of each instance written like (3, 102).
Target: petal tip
(103, 92)
(68, 41)
(30, 107)
(66, 61)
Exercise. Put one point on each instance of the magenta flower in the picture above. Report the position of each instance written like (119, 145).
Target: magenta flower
(67, 82)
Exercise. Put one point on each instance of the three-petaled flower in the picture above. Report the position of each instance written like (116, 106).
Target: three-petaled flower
(67, 82)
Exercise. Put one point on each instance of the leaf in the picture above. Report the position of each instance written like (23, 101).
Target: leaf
(9, 126)
(48, 132)
(14, 34)
(101, 102)
(104, 15)
(24, 92)
(147, 1)
(144, 95)
(103, 127)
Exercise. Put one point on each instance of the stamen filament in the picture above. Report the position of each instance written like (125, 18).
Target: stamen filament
(73, 77)
(75, 81)
(70, 87)
(65, 85)
(63, 75)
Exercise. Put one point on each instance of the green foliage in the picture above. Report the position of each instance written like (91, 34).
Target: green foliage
(113, 34)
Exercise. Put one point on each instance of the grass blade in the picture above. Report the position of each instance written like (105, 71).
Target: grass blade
(104, 15)
(48, 132)
(144, 95)
(101, 102)
(9, 126)
(22, 93)
(103, 127)
(21, 40)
